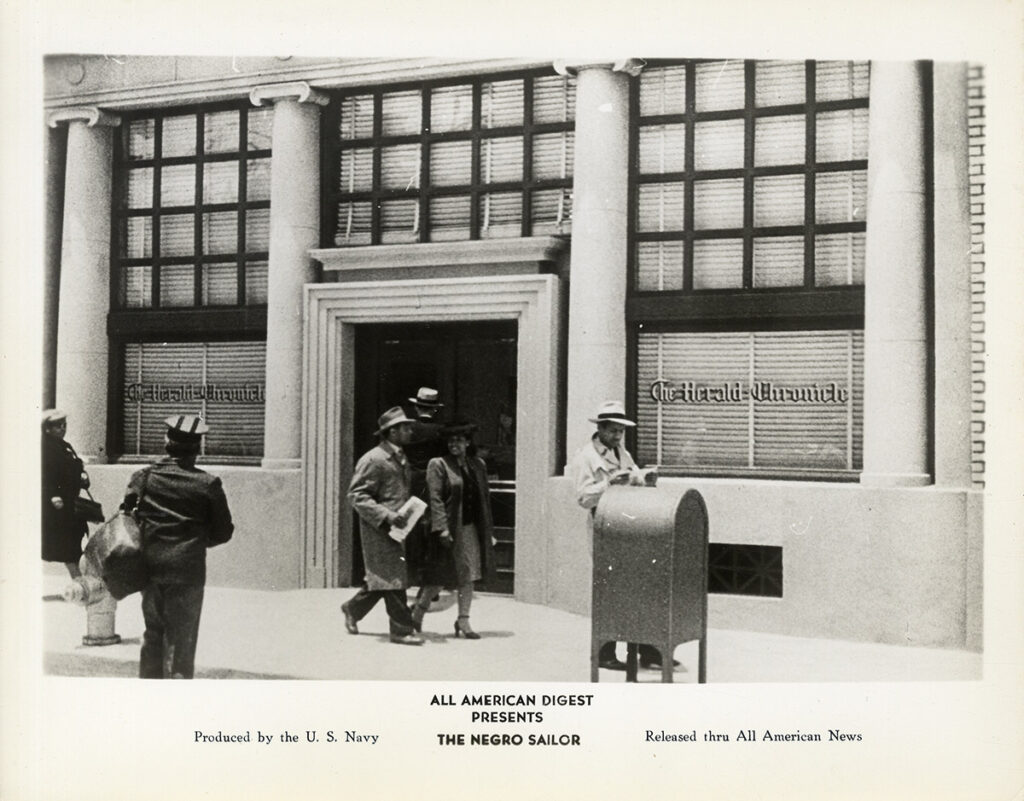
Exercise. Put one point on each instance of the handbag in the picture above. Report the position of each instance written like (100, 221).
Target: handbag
(88, 509)
(115, 552)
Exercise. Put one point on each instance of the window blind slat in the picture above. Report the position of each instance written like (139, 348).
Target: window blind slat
(663, 90)
(141, 139)
(718, 144)
(449, 218)
(451, 108)
(220, 232)
(841, 80)
(177, 285)
(220, 182)
(179, 136)
(554, 99)
(178, 185)
(356, 117)
(220, 284)
(401, 113)
(778, 261)
(451, 164)
(659, 266)
(718, 264)
(721, 85)
(779, 200)
(235, 368)
(718, 204)
(841, 196)
(501, 104)
(177, 235)
(779, 83)
(662, 149)
(780, 140)
(553, 155)
(786, 433)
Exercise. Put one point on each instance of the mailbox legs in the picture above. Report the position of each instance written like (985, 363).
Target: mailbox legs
(631, 658)
(702, 660)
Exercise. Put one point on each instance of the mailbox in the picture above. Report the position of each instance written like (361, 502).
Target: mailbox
(650, 574)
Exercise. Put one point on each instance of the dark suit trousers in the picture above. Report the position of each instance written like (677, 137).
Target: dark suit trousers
(400, 618)
(171, 612)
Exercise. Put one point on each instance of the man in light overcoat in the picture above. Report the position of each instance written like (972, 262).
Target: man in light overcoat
(379, 488)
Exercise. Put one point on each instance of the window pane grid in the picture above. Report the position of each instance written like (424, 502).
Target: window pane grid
(747, 228)
(195, 197)
(477, 158)
(753, 151)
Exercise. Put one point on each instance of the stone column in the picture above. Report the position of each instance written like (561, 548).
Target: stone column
(81, 382)
(597, 280)
(56, 143)
(896, 386)
(952, 278)
(294, 231)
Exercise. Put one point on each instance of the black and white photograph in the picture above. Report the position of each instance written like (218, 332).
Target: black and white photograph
(421, 407)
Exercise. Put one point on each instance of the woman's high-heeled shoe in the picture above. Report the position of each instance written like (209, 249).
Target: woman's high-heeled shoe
(417, 617)
(462, 627)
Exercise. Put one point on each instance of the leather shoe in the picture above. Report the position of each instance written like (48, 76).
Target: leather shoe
(406, 639)
(350, 620)
(612, 664)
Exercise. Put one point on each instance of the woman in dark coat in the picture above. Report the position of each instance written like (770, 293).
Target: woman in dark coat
(63, 478)
(460, 523)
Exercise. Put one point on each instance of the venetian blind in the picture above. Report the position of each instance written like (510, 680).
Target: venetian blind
(221, 381)
(486, 168)
(725, 131)
(751, 400)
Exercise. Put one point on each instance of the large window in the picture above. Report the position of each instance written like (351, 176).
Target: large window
(224, 382)
(747, 264)
(484, 158)
(192, 206)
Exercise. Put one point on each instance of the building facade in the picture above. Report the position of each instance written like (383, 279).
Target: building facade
(777, 265)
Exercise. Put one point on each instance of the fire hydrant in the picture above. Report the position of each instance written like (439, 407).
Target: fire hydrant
(100, 606)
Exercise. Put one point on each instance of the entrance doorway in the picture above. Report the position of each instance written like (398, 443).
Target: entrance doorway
(473, 366)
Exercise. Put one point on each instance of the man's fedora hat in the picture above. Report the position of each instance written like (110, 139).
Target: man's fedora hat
(185, 427)
(392, 417)
(427, 397)
(612, 412)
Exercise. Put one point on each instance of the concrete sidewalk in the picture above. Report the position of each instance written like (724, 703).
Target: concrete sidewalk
(300, 634)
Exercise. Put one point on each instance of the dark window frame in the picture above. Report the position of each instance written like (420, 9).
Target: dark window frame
(332, 147)
(241, 257)
(699, 302)
(747, 308)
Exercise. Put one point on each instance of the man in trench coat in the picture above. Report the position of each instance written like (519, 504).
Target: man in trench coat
(379, 488)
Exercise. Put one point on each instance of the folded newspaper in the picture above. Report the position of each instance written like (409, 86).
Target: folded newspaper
(415, 509)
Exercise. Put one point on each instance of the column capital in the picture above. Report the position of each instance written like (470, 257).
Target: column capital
(574, 66)
(296, 90)
(90, 115)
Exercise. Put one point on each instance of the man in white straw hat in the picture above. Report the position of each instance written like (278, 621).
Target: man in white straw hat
(601, 463)
(380, 487)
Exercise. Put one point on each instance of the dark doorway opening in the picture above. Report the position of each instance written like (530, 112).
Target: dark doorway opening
(473, 366)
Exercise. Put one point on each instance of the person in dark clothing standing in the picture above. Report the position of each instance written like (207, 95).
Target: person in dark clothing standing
(424, 444)
(63, 478)
(182, 511)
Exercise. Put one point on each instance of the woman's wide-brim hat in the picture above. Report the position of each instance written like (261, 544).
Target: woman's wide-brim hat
(391, 418)
(612, 412)
(458, 426)
(427, 397)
